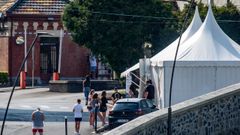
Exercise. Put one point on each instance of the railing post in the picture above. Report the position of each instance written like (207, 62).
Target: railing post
(66, 127)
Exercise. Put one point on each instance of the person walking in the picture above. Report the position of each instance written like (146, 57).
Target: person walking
(78, 110)
(149, 91)
(86, 88)
(95, 105)
(103, 105)
(37, 121)
(90, 107)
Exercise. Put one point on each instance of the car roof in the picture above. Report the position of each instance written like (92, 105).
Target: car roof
(129, 100)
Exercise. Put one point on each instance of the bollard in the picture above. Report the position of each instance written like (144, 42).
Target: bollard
(23, 80)
(55, 76)
(95, 117)
(66, 132)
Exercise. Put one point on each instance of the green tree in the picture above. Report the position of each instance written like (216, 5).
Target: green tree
(116, 29)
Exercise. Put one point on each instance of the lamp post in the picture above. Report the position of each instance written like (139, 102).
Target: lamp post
(144, 66)
(169, 122)
(147, 49)
(18, 73)
(147, 54)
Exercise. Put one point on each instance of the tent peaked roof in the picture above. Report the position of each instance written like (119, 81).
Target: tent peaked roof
(210, 43)
(169, 51)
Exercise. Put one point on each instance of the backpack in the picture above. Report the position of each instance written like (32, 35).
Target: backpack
(135, 92)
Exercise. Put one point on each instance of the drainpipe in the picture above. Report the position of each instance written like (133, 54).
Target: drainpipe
(10, 52)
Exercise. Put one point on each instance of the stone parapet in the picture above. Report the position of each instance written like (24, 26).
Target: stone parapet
(210, 114)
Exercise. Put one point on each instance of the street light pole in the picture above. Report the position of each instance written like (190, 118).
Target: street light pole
(147, 48)
(169, 129)
(18, 74)
(143, 67)
(33, 66)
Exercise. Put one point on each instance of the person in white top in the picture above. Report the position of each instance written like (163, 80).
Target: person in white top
(78, 110)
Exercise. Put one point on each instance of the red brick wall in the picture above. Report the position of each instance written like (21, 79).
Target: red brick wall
(74, 59)
(17, 53)
(3, 54)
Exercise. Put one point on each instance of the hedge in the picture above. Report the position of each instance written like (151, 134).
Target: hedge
(3, 78)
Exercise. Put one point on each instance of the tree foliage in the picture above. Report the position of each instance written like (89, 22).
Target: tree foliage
(117, 29)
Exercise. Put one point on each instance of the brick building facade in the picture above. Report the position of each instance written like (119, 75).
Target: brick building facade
(32, 16)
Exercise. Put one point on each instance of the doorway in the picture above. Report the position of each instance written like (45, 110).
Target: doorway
(49, 50)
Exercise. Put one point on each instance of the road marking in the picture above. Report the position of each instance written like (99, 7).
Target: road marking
(26, 106)
(44, 107)
(64, 107)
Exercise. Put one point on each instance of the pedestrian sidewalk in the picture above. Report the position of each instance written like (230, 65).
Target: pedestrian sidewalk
(6, 89)
(50, 128)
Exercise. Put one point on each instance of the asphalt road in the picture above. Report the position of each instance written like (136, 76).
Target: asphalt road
(55, 106)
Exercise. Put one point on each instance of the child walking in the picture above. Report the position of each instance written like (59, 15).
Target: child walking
(78, 110)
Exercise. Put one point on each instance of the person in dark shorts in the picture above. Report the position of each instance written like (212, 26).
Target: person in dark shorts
(78, 110)
(37, 119)
(103, 105)
(149, 91)
(95, 105)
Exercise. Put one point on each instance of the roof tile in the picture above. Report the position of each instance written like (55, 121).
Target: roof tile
(5, 4)
(40, 7)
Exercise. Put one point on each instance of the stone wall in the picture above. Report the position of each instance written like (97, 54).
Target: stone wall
(216, 113)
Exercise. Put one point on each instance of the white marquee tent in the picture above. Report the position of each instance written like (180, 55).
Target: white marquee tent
(207, 60)
(210, 60)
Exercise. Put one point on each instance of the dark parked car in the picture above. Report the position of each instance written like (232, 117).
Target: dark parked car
(128, 109)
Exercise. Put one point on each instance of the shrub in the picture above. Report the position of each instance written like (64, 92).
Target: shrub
(3, 78)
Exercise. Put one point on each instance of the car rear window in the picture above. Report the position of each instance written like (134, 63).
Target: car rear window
(125, 106)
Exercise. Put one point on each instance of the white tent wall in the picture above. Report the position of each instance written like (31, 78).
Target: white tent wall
(227, 75)
(156, 74)
(194, 78)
